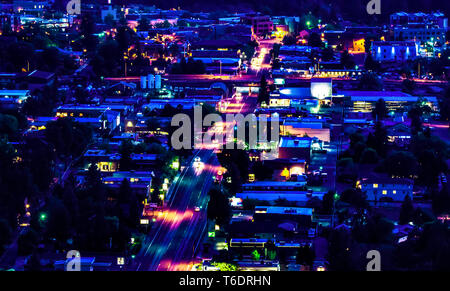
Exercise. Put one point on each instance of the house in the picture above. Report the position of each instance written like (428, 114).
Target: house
(140, 181)
(100, 117)
(39, 79)
(399, 135)
(385, 189)
(110, 162)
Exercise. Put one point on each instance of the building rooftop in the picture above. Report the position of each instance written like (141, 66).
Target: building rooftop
(284, 210)
(295, 142)
(387, 180)
(276, 183)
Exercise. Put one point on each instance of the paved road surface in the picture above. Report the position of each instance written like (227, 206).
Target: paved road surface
(175, 240)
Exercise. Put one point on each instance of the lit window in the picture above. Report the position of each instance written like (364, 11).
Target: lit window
(384, 192)
(394, 191)
(375, 185)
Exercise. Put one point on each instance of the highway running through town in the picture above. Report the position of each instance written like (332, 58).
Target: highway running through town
(177, 235)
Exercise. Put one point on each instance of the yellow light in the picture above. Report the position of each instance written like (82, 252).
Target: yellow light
(375, 185)
(285, 173)
(384, 192)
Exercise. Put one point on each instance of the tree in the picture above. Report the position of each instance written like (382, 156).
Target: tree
(289, 39)
(68, 136)
(218, 207)
(87, 30)
(109, 20)
(5, 233)
(58, 222)
(124, 38)
(327, 202)
(370, 64)
(346, 169)
(441, 201)
(415, 113)
(255, 255)
(305, 256)
(371, 82)
(126, 149)
(339, 245)
(33, 263)
(380, 110)
(406, 211)
(347, 60)
(431, 154)
(124, 192)
(8, 125)
(190, 66)
(327, 54)
(93, 177)
(378, 139)
(354, 197)
(314, 40)
(369, 156)
(144, 24)
(408, 86)
(401, 164)
(263, 94)
(27, 241)
(262, 171)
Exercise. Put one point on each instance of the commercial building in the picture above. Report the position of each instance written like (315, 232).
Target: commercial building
(295, 147)
(364, 101)
(261, 24)
(271, 191)
(421, 27)
(395, 51)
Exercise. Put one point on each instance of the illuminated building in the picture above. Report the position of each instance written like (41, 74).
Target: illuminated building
(396, 51)
(13, 98)
(321, 88)
(386, 189)
(261, 24)
(364, 101)
(422, 27)
(296, 127)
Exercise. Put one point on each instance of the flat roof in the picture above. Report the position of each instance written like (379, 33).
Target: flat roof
(284, 210)
(295, 92)
(295, 142)
(275, 183)
(352, 93)
(14, 92)
(300, 196)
